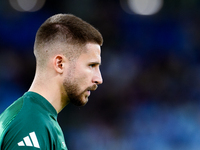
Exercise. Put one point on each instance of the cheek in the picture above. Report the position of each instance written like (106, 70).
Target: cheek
(84, 78)
(82, 75)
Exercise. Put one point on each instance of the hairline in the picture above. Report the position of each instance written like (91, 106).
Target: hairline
(66, 49)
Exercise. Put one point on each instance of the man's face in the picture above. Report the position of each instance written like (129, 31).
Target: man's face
(83, 75)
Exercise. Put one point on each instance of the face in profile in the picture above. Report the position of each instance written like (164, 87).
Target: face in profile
(83, 75)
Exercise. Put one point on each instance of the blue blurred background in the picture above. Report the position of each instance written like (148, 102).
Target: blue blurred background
(150, 98)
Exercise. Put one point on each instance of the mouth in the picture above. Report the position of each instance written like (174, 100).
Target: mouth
(88, 92)
(92, 88)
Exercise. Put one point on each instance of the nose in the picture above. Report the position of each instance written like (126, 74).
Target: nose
(98, 78)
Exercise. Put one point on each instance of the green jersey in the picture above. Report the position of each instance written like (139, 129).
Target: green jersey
(30, 123)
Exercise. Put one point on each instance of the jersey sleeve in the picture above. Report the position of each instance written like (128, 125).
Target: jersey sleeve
(31, 136)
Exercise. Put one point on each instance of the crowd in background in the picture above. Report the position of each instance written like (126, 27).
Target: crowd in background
(150, 98)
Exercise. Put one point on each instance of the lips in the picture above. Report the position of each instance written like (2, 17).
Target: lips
(92, 88)
(88, 93)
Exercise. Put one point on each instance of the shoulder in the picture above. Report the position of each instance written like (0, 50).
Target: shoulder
(31, 118)
(30, 126)
(31, 132)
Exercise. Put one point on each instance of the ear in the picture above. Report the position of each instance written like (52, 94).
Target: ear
(58, 63)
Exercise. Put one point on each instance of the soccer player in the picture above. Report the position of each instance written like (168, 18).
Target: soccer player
(67, 51)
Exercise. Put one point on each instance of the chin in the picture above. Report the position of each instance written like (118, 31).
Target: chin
(84, 102)
(79, 102)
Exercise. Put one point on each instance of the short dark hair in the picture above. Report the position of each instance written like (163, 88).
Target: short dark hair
(65, 28)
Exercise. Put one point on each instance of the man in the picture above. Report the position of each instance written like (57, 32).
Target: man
(67, 51)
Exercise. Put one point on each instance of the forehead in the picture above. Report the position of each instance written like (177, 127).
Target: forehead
(93, 48)
(92, 52)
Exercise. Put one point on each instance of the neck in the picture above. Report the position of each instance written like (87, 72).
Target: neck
(50, 90)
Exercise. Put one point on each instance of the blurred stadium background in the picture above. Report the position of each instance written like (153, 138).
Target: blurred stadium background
(150, 98)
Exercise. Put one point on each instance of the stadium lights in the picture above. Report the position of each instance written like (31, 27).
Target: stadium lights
(27, 5)
(141, 7)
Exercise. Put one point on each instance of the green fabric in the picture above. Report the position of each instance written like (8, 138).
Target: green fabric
(30, 123)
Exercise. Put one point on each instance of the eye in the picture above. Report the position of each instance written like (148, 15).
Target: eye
(92, 65)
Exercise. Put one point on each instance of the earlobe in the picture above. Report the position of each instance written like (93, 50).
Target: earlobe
(59, 63)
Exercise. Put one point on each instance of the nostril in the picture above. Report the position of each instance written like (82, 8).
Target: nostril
(98, 82)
